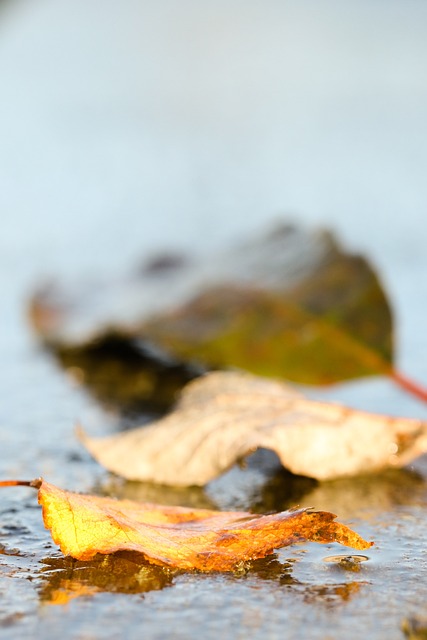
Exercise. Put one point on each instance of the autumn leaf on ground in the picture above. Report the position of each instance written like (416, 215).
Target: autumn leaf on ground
(179, 537)
(224, 416)
(290, 304)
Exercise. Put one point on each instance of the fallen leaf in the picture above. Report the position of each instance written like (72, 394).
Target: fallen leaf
(291, 304)
(224, 416)
(179, 537)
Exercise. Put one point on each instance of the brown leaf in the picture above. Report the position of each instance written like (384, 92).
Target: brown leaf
(84, 525)
(291, 304)
(226, 415)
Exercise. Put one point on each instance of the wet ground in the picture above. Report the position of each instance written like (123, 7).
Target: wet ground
(72, 203)
(305, 589)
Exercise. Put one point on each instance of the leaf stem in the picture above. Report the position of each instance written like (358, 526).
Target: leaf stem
(416, 389)
(36, 484)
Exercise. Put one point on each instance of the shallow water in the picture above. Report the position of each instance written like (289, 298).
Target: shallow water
(117, 139)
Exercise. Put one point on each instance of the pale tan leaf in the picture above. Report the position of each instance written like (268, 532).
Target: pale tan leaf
(224, 416)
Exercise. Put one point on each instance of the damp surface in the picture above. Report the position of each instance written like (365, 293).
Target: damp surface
(318, 591)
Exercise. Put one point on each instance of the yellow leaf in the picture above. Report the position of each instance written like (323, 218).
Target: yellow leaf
(84, 525)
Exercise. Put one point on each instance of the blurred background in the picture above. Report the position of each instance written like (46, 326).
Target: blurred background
(132, 126)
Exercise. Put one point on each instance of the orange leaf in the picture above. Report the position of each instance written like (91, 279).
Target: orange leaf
(84, 525)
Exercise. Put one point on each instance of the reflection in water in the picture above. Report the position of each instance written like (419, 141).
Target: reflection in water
(123, 375)
(270, 568)
(349, 497)
(4, 551)
(64, 579)
(328, 594)
(331, 594)
(263, 486)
